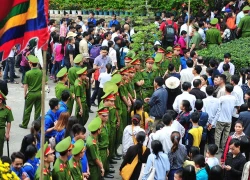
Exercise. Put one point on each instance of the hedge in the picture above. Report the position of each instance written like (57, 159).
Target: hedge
(239, 50)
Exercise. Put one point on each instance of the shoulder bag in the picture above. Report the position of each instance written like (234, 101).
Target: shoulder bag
(151, 171)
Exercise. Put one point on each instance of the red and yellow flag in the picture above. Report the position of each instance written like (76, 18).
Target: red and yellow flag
(22, 20)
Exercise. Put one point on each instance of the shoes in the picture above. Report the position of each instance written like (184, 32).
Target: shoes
(91, 111)
(14, 82)
(93, 104)
(113, 161)
(108, 176)
(111, 166)
(21, 126)
(116, 158)
(111, 171)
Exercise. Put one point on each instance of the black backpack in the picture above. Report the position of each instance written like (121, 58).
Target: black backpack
(169, 32)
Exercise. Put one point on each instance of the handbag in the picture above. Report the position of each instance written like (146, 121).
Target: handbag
(128, 169)
(151, 171)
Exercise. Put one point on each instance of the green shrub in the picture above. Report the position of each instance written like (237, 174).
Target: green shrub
(239, 50)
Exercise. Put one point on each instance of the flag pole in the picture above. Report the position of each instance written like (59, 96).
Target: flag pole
(42, 117)
(188, 24)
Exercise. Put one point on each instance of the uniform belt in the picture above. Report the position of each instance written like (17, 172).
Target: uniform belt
(103, 148)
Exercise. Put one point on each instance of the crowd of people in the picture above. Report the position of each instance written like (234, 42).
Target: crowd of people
(172, 112)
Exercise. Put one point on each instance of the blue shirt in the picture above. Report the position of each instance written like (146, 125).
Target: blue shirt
(102, 62)
(92, 20)
(19, 172)
(63, 108)
(203, 122)
(161, 165)
(115, 22)
(183, 62)
(50, 118)
(60, 135)
(202, 174)
(158, 103)
(31, 166)
(210, 81)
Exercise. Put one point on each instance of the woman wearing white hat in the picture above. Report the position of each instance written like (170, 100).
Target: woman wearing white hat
(173, 88)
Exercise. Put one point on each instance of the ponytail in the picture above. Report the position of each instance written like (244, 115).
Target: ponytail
(175, 138)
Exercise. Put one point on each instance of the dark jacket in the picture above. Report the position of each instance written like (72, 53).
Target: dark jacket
(129, 157)
(3, 87)
(172, 94)
(198, 93)
(236, 163)
(245, 118)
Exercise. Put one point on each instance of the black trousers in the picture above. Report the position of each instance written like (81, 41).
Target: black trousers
(95, 93)
(233, 124)
(210, 136)
(100, 94)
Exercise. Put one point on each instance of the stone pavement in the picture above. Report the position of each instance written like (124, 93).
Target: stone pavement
(16, 102)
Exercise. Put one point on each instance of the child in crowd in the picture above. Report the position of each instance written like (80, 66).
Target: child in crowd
(195, 133)
(178, 174)
(192, 152)
(202, 173)
(211, 160)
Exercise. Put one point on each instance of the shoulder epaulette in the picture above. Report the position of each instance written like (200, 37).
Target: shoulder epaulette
(94, 141)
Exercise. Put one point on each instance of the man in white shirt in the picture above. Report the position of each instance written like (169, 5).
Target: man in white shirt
(187, 74)
(116, 33)
(186, 86)
(196, 72)
(239, 16)
(79, 20)
(164, 134)
(200, 62)
(221, 80)
(223, 125)
(201, 31)
(227, 59)
(83, 45)
(238, 94)
(107, 37)
(211, 106)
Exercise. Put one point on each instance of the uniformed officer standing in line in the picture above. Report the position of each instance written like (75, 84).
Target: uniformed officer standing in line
(61, 84)
(95, 164)
(158, 64)
(116, 79)
(81, 85)
(32, 91)
(49, 157)
(213, 35)
(131, 84)
(6, 116)
(75, 161)
(148, 75)
(114, 118)
(138, 79)
(103, 138)
(176, 57)
(72, 76)
(61, 169)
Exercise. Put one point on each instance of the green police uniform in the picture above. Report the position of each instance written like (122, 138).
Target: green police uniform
(103, 145)
(47, 175)
(176, 61)
(244, 25)
(72, 77)
(159, 65)
(6, 116)
(213, 35)
(93, 150)
(80, 91)
(32, 79)
(148, 86)
(60, 86)
(61, 169)
(76, 165)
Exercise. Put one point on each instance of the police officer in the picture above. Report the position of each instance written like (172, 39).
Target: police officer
(32, 91)
(61, 169)
(75, 161)
(6, 117)
(49, 157)
(213, 35)
(176, 61)
(244, 25)
(72, 76)
(138, 79)
(80, 88)
(61, 85)
(103, 138)
(148, 75)
(95, 164)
